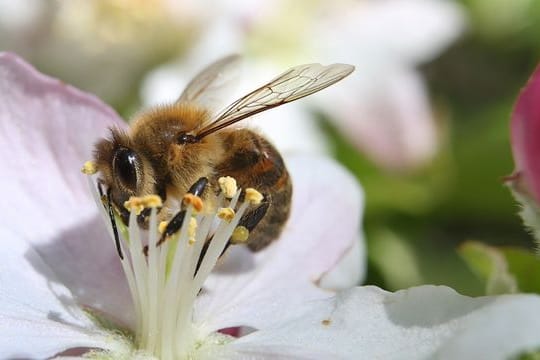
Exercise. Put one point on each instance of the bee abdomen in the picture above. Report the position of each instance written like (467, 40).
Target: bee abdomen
(254, 162)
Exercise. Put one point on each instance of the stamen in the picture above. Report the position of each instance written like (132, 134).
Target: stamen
(138, 204)
(240, 235)
(192, 230)
(134, 204)
(165, 277)
(228, 186)
(193, 200)
(89, 168)
(253, 196)
(226, 214)
(162, 226)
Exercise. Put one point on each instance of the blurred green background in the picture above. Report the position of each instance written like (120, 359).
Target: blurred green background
(416, 221)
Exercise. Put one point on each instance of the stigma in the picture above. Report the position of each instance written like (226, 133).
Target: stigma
(166, 266)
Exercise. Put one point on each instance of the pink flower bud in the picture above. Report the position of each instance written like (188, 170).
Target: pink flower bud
(525, 139)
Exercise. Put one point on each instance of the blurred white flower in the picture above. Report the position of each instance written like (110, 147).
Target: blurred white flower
(103, 46)
(383, 108)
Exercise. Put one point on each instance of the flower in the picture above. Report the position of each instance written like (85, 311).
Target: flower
(525, 141)
(62, 291)
(68, 264)
(382, 108)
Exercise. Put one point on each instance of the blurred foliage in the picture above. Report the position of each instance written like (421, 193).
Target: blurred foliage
(415, 222)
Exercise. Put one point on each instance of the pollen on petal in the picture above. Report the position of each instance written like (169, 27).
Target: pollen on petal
(226, 214)
(239, 235)
(89, 168)
(228, 186)
(193, 200)
(253, 196)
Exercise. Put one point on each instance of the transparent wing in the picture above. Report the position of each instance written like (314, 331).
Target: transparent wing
(291, 85)
(207, 88)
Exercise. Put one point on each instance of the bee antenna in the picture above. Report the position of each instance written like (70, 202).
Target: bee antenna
(110, 211)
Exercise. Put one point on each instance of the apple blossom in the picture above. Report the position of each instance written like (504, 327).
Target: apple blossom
(63, 294)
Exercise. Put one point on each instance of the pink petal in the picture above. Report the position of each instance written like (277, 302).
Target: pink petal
(525, 134)
(323, 226)
(47, 130)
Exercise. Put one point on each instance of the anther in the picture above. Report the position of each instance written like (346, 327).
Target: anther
(162, 226)
(239, 235)
(228, 186)
(138, 204)
(226, 214)
(253, 196)
(89, 168)
(193, 200)
(134, 204)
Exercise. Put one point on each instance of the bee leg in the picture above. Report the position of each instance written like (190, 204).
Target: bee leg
(110, 211)
(249, 220)
(198, 187)
(253, 217)
(173, 226)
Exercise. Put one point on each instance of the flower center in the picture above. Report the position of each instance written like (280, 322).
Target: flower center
(166, 266)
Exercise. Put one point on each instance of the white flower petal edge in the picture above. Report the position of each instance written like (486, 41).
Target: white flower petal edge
(322, 230)
(418, 323)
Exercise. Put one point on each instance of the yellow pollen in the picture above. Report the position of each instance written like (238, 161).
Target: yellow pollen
(226, 214)
(228, 186)
(162, 226)
(89, 168)
(152, 201)
(134, 204)
(239, 235)
(137, 204)
(253, 196)
(193, 200)
(192, 230)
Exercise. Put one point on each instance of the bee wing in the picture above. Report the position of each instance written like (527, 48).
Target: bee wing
(207, 87)
(291, 85)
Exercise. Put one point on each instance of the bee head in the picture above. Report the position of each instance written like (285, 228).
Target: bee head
(123, 169)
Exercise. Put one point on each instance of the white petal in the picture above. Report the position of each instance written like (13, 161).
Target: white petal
(38, 316)
(347, 273)
(323, 227)
(419, 323)
(388, 32)
(47, 131)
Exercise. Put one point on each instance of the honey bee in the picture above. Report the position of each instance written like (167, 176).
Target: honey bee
(170, 148)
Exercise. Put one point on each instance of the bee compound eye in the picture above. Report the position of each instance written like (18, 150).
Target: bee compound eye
(126, 164)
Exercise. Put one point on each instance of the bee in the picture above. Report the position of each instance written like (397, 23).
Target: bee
(169, 148)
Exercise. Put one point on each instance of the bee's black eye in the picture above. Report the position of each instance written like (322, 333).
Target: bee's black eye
(126, 165)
